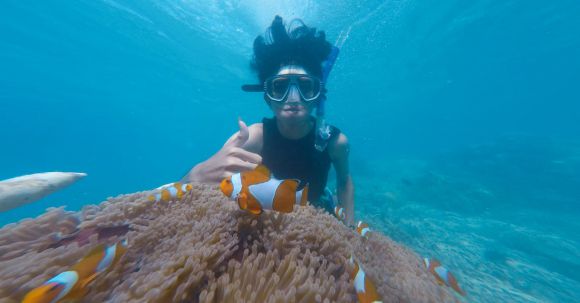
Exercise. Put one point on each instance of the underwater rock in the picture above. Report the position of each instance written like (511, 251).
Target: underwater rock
(202, 248)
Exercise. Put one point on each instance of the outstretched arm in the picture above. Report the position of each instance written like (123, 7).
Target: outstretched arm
(339, 151)
(238, 154)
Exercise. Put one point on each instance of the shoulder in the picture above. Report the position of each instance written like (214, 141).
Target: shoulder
(338, 147)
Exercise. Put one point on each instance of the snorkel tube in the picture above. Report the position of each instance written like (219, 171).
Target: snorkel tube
(322, 129)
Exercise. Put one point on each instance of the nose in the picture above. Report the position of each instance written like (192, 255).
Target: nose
(293, 94)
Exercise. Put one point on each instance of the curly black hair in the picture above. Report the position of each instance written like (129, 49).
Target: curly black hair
(297, 44)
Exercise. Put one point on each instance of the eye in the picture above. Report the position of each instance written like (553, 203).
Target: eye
(306, 83)
(279, 86)
(308, 86)
(276, 84)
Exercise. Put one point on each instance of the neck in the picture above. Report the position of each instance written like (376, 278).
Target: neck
(295, 129)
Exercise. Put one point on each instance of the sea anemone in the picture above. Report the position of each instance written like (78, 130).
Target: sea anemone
(203, 248)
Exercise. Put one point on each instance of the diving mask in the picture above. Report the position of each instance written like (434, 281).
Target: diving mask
(278, 87)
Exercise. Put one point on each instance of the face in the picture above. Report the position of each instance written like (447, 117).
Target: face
(293, 108)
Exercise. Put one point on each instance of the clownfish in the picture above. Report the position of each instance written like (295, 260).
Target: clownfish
(173, 191)
(257, 190)
(362, 229)
(72, 284)
(442, 275)
(365, 288)
(54, 289)
(339, 213)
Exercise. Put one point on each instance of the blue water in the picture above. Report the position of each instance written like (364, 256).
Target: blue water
(462, 116)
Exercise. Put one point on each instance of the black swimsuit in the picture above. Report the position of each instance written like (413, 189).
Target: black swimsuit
(297, 159)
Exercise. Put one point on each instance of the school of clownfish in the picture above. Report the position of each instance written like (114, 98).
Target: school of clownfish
(254, 191)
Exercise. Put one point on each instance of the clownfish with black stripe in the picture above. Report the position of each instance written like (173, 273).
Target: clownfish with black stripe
(173, 191)
(442, 275)
(73, 284)
(257, 190)
(365, 288)
(339, 213)
(363, 229)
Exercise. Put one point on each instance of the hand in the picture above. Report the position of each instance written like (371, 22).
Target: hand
(230, 159)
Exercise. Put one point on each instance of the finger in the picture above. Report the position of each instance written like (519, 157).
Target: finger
(243, 134)
(247, 156)
(238, 165)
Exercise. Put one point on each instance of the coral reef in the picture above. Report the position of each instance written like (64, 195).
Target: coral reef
(204, 249)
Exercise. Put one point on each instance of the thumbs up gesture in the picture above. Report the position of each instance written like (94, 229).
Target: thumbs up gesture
(230, 159)
(241, 137)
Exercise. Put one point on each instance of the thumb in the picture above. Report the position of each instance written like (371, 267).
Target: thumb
(243, 134)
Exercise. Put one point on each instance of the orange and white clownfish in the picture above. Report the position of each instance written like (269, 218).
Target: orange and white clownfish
(172, 191)
(339, 213)
(363, 229)
(442, 275)
(54, 289)
(365, 288)
(72, 284)
(257, 190)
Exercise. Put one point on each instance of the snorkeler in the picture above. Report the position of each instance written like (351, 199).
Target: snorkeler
(289, 63)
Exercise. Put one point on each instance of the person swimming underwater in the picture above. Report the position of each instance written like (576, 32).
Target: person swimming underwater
(288, 61)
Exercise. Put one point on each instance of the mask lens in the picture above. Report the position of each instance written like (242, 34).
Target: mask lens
(277, 87)
(309, 87)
